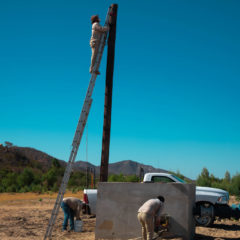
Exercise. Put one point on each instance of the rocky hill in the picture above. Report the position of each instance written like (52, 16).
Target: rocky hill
(17, 158)
(126, 167)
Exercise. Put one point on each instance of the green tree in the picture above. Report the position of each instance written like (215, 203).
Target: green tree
(54, 175)
(77, 179)
(227, 177)
(9, 182)
(204, 178)
(26, 178)
(121, 178)
(235, 186)
(116, 178)
(37, 188)
(51, 178)
(132, 178)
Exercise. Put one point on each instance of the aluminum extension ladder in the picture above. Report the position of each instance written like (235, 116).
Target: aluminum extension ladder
(78, 134)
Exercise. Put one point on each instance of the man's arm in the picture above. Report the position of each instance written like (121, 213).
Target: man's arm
(78, 210)
(98, 27)
(158, 215)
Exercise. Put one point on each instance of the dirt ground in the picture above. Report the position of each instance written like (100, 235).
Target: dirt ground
(26, 216)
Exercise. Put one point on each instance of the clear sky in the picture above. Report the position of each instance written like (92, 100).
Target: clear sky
(176, 81)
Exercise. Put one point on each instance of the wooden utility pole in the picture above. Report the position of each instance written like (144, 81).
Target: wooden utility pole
(108, 94)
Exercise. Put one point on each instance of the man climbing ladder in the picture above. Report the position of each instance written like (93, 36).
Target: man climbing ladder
(78, 133)
(97, 32)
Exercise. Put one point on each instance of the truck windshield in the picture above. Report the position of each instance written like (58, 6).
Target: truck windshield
(179, 179)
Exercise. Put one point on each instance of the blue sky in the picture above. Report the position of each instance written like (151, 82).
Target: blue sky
(176, 81)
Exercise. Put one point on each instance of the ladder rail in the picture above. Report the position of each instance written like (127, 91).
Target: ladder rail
(63, 185)
(78, 135)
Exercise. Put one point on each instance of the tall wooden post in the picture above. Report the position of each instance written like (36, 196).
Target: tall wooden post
(108, 94)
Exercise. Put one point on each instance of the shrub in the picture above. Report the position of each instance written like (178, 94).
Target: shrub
(77, 179)
(26, 178)
(55, 187)
(36, 188)
(9, 180)
(122, 178)
(116, 178)
(24, 189)
(12, 188)
(51, 178)
(132, 178)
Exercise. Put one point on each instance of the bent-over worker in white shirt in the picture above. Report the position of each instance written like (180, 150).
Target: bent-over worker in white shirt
(149, 211)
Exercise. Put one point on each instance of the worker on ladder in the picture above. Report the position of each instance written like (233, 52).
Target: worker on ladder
(97, 31)
(98, 40)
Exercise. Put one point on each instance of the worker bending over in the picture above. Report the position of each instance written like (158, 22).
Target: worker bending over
(71, 207)
(149, 213)
(97, 31)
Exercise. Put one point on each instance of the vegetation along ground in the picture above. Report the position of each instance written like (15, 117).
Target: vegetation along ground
(26, 216)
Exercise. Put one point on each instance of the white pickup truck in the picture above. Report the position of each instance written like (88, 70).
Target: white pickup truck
(208, 200)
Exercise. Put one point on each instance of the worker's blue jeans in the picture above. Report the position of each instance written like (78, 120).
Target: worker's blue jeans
(68, 214)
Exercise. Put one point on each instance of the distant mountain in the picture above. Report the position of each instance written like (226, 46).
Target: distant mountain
(126, 167)
(43, 158)
(129, 167)
(16, 158)
(82, 166)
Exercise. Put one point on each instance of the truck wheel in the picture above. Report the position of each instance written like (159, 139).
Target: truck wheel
(206, 217)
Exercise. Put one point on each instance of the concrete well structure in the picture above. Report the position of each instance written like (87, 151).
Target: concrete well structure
(118, 203)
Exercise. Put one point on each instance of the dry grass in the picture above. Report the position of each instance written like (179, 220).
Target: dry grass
(26, 216)
(35, 196)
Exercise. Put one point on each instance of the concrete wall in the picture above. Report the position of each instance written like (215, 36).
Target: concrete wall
(118, 203)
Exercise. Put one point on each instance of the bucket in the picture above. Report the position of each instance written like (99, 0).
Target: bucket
(78, 224)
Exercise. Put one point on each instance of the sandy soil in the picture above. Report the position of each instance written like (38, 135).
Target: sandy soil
(26, 216)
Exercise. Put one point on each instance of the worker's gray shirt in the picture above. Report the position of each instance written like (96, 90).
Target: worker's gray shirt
(152, 207)
(97, 31)
(75, 204)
